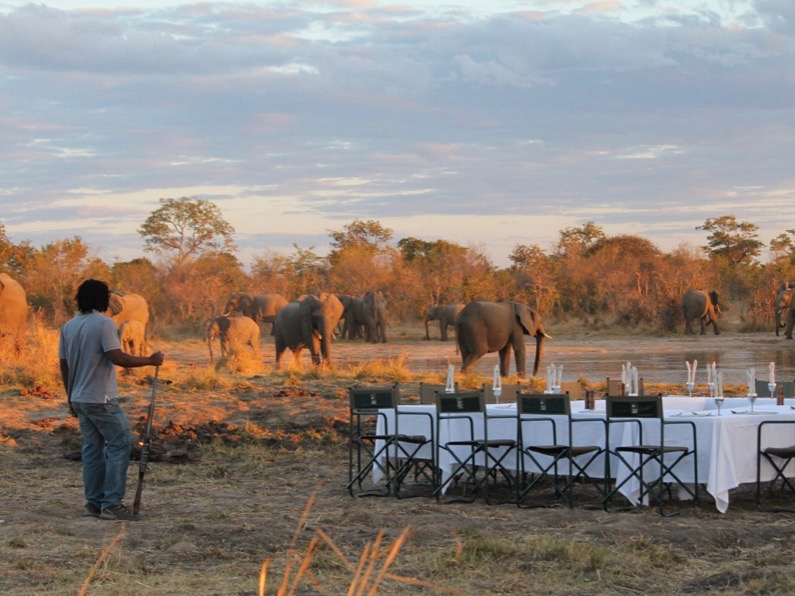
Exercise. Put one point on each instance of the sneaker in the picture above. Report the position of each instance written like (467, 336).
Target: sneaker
(119, 512)
(91, 510)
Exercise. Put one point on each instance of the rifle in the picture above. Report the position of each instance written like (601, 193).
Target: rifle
(145, 441)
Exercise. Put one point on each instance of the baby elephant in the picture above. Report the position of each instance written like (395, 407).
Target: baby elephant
(234, 334)
(131, 336)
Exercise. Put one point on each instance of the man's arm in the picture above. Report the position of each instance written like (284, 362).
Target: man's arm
(65, 378)
(126, 360)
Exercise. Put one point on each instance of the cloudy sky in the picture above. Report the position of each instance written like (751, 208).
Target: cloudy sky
(441, 119)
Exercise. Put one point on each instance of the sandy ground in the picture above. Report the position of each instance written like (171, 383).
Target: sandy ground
(253, 469)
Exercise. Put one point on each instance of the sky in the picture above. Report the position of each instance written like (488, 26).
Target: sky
(488, 124)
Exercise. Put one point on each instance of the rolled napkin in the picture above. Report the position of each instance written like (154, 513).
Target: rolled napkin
(624, 374)
(751, 377)
(772, 372)
(450, 386)
(709, 373)
(719, 384)
(634, 389)
(559, 380)
(496, 379)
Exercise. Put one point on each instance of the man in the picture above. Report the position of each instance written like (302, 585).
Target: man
(88, 352)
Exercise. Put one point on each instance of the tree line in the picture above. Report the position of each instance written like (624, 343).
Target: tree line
(190, 268)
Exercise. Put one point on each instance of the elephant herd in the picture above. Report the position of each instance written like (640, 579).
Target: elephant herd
(312, 321)
(309, 322)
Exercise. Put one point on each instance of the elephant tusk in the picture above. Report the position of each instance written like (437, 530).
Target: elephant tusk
(547, 336)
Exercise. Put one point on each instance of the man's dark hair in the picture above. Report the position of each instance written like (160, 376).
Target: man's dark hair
(93, 295)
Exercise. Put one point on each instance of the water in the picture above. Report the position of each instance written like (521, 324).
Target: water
(655, 365)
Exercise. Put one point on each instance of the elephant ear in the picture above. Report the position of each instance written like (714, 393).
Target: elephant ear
(116, 304)
(223, 324)
(526, 317)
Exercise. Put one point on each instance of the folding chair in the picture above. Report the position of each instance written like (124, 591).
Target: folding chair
(623, 410)
(779, 458)
(388, 452)
(477, 459)
(534, 410)
(762, 389)
(428, 392)
(508, 395)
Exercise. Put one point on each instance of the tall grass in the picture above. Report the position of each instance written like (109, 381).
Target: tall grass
(37, 363)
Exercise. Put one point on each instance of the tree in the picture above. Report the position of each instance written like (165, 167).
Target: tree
(185, 228)
(368, 234)
(579, 239)
(734, 241)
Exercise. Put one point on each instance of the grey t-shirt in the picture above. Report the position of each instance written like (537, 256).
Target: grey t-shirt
(84, 343)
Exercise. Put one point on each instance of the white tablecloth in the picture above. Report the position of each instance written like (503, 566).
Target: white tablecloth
(726, 443)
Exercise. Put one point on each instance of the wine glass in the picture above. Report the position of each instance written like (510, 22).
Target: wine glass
(690, 386)
(497, 391)
(752, 399)
(711, 386)
(771, 386)
(718, 402)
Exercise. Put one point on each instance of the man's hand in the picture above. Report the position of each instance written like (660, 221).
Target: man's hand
(157, 358)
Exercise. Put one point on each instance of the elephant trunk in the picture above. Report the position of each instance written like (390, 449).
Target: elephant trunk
(540, 335)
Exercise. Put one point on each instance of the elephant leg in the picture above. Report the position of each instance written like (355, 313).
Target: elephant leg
(703, 326)
(442, 331)
(518, 355)
(468, 358)
(505, 360)
(297, 356)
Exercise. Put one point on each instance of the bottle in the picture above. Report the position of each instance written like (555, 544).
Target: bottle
(590, 401)
(780, 395)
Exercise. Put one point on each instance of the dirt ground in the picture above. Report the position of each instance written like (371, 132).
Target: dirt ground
(252, 468)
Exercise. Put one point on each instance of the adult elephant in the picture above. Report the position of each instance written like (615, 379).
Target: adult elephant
(445, 314)
(374, 307)
(13, 312)
(262, 308)
(782, 304)
(483, 327)
(132, 337)
(308, 324)
(354, 319)
(234, 334)
(701, 305)
(128, 307)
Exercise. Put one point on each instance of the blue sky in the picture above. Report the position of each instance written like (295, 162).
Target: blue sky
(487, 127)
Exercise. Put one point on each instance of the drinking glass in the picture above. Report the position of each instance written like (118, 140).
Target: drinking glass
(752, 399)
(497, 393)
(718, 402)
(772, 388)
(690, 387)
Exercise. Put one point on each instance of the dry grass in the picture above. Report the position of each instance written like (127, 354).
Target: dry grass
(277, 494)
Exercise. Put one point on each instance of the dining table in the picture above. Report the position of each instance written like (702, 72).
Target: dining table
(726, 441)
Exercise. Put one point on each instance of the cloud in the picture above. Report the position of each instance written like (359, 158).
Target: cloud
(304, 116)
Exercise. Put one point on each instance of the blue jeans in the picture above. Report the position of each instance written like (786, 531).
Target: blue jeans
(107, 443)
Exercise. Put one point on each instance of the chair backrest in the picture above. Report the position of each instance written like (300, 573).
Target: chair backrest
(762, 390)
(507, 396)
(365, 400)
(428, 392)
(573, 388)
(543, 404)
(615, 387)
(464, 402)
(641, 406)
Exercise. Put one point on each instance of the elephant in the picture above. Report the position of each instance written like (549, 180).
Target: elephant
(782, 304)
(126, 307)
(132, 338)
(483, 327)
(263, 308)
(698, 304)
(445, 314)
(309, 324)
(13, 312)
(353, 317)
(234, 334)
(374, 306)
